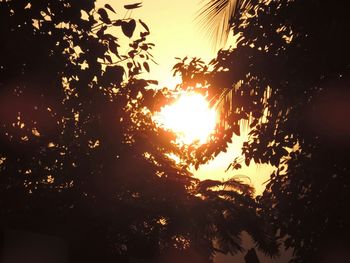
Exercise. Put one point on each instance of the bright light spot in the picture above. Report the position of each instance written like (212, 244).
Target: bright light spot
(189, 117)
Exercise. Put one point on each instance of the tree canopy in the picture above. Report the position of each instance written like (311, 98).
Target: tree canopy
(80, 156)
(288, 77)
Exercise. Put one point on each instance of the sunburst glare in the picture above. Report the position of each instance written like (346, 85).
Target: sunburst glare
(190, 117)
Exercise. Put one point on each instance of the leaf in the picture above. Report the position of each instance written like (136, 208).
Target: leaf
(118, 22)
(104, 16)
(144, 47)
(152, 81)
(144, 25)
(113, 75)
(132, 53)
(128, 28)
(237, 166)
(228, 168)
(177, 65)
(101, 31)
(110, 8)
(133, 6)
(108, 58)
(146, 66)
(236, 129)
(113, 47)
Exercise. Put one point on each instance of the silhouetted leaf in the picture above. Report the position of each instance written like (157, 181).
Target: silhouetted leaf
(103, 15)
(110, 8)
(101, 31)
(146, 66)
(108, 58)
(144, 25)
(133, 6)
(128, 28)
(118, 22)
(113, 47)
(113, 75)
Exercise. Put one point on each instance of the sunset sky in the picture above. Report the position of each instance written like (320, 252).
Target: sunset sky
(115, 118)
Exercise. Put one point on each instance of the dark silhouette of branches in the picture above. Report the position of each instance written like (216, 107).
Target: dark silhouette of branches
(288, 79)
(82, 159)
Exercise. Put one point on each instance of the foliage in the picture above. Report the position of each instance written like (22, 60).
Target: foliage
(216, 18)
(288, 78)
(80, 155)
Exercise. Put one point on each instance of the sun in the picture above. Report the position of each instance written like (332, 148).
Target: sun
(190, 117)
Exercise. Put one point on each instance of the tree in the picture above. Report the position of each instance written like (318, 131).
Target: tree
(81, 157)
(288, 78)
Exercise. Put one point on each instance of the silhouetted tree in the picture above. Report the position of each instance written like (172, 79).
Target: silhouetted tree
(288, 78)
(80, 156)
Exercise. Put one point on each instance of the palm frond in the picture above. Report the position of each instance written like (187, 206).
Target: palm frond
(214, 18)
(223, 103)
(238, 185)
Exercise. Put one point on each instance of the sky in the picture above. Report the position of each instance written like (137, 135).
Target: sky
(173, 30)
(175, 33)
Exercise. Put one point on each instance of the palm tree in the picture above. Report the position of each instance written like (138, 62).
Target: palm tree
(215, 18)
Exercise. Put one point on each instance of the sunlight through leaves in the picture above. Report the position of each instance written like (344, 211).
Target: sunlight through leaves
(190, 117)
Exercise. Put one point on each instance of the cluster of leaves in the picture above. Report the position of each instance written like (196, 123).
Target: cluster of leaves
(80, 156)
(288, 78)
